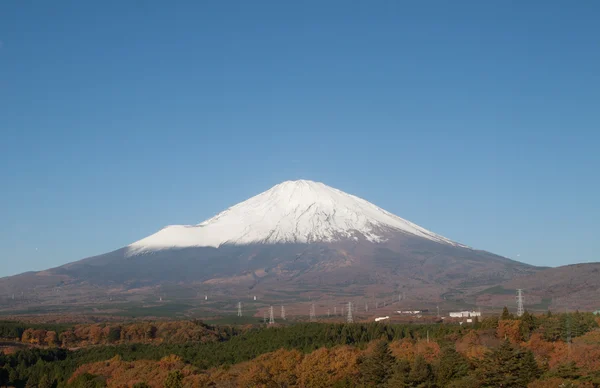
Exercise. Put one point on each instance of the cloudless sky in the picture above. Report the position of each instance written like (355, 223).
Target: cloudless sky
(479, 120)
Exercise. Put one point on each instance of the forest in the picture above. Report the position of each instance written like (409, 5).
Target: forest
(497, 351)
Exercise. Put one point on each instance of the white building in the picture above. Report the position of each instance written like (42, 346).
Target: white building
(381, 318)
(465, 314)
(412, 312)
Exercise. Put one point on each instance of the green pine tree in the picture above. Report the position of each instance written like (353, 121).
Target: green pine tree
(399, 377)
(507, 366)
(568, 371)
(506, 314)
(376, 368)
(174, 379)
(45, 382)
(528, 325)
(420, 373)
(451, 365)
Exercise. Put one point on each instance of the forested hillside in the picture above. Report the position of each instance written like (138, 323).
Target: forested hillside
(536, 351)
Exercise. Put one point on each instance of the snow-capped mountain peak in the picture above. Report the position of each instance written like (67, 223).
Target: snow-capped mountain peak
(299, 211)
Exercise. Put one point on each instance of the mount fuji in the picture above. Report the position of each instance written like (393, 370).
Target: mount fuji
(291, 212)
(298, 240)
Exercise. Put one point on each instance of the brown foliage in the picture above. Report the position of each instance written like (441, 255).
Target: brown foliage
(471, 346)
(558, 382)
(119, 373)
(407, 349)
(325, 367)
(509, 329)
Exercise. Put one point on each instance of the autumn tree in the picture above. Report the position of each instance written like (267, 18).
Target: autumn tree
(95, 335)
(509, 329)
(376, 367)
(506, 314)
(51, 338)
(67, 338)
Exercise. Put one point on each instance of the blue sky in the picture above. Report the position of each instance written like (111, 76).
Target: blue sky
(477, 120)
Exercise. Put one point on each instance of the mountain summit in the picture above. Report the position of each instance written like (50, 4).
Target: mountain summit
(297, 241)
(291, 212)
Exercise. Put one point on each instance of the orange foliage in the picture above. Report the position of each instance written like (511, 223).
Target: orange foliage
(542, 349)
(120, 373)
(509, 329)
(39, 337)
(325, 367)
(470, 345)
(558, 382)
(584, 352)
(407, 349)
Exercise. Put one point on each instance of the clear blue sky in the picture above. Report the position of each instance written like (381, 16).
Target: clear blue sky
(479, 120)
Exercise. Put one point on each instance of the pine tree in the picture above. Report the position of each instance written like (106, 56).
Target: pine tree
(508, 367)
(399, 377)
(45, 382)
(451, 365)
(174, 379)
(420, 373)
(528, 325)
(376, 368)
(506, 314)
(568, 371)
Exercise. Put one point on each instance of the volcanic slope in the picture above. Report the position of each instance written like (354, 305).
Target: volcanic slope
(298, 237)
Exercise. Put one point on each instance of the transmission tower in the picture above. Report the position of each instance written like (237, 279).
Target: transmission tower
(313, 316)
(438, 311)
(328, 313)
(520, 300)
(366, 307)
(283, 312)
(349, 317)
(342, 313)
(239, 309)
(271, 318)
(335, 310)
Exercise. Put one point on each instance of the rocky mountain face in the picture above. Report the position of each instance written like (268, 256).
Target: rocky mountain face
(299, 240)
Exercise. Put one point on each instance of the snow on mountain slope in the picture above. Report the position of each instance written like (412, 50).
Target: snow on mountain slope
(290, 212)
